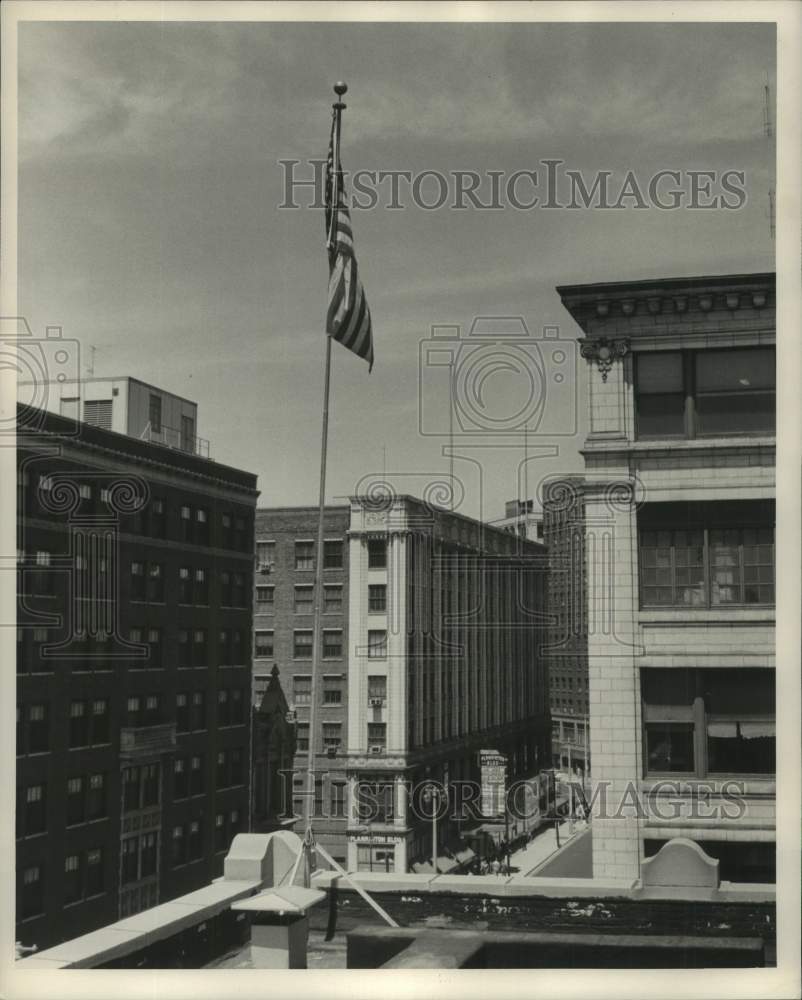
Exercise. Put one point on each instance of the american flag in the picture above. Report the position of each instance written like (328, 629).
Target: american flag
(348, 315)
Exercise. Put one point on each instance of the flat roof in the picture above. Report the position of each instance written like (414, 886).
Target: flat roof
(91, 436)
(111, 378)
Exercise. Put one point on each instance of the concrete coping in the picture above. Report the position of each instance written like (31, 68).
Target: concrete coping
(291, 899)
(142, 929)
(484, 885)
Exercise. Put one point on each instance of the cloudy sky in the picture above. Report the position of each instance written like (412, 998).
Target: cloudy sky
(149, 226)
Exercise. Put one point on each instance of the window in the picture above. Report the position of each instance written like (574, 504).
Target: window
(371, 858)
(333, 554)
(230, 769)
(332, 692)
(195, 845)
(332, 735)
(100, 721)
(182, 720)
(94, 871)
(30, 898)
(96, 797)
(131, 789)
(301, 690)
(304, 600)
(79, 725)
(137, 581)
(200, 650)
(265, 599)
(377, 644)
(305, 555)
(38, 729)
(302, 645)
(265, 554)
(201, 526)
(377, 553)
(337, 799)
(133, 710)
(377, 689)
(240, 591)
(237, 707)
(377, 598)
(705, 393)
(148, 854)
(130, 860)
(735, 391)
(158, 520)
(179, 852)
(332, 644)
(35, 818)
(220, 838)
(155, 583)
(302, 737)
(72, 878)
(150, 785)
(75, 801)
(190, 711)
(196, 775)
(180, 778)
(154, 660)
(377, 736)
(263, 645)
(185, 585)
(223, 709)
(333, 599)
(705, 722)
(722, 555)
(198, 710)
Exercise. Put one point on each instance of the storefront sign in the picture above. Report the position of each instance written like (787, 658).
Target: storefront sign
(493, 768)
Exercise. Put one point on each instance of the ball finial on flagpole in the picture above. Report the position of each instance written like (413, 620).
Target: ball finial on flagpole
(339, 89)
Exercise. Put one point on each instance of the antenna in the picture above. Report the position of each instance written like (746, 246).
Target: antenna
(768, 132)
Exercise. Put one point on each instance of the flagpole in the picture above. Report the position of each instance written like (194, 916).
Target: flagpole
(339, 89)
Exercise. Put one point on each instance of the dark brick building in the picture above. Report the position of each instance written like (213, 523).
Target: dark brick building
(567, 604)
(135, 566)
(286, 539)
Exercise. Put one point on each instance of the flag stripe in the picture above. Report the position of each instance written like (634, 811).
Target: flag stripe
(348, 315)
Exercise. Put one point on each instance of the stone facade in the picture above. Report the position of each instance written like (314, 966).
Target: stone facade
(443, 660)
(687, 508)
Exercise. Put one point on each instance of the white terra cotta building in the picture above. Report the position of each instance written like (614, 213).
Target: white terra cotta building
(679, 502)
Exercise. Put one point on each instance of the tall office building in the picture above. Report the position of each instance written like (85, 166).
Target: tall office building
(567, 604)
(446, 619)
(135, 563)
(286, 542)
(679, 507)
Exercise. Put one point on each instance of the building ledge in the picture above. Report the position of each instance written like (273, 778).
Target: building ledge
(735, 442)
(699, 616)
